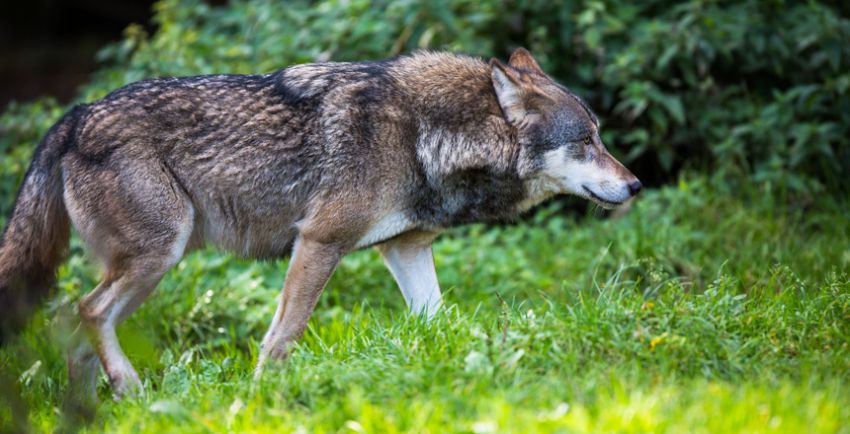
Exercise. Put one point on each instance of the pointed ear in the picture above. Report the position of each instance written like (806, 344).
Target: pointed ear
(523, 59)
(508, 91)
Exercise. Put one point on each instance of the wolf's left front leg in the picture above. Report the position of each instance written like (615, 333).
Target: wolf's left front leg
(411, 262)
(310, 268)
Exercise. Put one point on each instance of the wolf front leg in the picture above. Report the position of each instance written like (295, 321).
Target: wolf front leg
(411, 262)
(310, 268)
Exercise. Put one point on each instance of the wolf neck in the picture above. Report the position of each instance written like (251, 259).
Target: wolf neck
(460, 122)
(469, 155)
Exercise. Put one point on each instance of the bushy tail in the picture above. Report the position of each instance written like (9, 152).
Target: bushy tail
(35, 240)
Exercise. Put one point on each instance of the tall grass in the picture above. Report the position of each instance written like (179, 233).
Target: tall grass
(694, 312)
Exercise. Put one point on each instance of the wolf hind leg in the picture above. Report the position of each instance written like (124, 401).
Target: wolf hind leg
(411, 263)
(83, 368)
(111, 302)
(80, 402)
(139, 224)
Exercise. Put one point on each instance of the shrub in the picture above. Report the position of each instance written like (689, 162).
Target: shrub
(751, 90)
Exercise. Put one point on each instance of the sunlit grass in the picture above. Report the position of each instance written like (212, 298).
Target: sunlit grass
(694, 312)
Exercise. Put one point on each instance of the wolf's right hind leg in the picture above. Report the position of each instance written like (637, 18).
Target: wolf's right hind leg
(83, 367)
(80, 403)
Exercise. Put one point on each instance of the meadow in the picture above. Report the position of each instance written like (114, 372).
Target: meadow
(695, 311)
(719, 303)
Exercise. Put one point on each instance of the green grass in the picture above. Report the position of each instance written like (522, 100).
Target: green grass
(697, 311)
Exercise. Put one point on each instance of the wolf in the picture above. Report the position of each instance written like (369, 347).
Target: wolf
(313, 161)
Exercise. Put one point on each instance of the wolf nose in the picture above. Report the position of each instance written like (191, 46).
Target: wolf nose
(634, 187)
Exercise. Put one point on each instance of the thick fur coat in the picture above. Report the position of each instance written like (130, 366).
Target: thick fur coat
(315, 160)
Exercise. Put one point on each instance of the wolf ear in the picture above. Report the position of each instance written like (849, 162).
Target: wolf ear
(521, 58)
(509, 91)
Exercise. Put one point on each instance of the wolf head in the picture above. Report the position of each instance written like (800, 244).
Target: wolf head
(559, 134)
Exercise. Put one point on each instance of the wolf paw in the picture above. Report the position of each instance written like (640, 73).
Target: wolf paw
(125, 384)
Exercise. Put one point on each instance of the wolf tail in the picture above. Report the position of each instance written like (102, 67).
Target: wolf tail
(35, 240)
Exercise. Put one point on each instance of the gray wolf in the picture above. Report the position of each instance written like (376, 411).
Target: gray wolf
(314, 160)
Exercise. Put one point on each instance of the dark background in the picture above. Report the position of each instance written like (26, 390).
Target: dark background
(49, 46)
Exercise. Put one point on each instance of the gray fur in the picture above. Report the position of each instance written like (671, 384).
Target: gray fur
(308, 160)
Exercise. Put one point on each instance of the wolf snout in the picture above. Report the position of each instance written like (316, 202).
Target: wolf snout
(634, 187)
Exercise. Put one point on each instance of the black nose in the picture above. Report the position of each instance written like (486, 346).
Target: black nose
(634, 187)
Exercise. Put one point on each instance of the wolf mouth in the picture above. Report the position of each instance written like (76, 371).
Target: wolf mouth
(597, 198)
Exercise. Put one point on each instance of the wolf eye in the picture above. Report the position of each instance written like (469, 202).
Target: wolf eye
(588, 140)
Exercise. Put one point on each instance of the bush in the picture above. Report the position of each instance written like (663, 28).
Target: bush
(752, 90)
